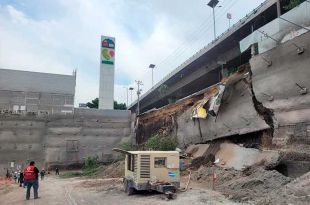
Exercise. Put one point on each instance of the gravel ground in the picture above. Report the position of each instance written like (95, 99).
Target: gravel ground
(77, 191)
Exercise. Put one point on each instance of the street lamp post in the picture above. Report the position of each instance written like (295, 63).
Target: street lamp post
(229, 16)
(152, 66)
(213, 4)
(139, 82)
(131, 89)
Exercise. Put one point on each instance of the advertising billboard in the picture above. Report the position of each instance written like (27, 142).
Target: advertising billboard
(107, 50)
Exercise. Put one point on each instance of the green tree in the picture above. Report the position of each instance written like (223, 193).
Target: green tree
(162, 143)
(293, 3)
(117, 106)
(93, 104)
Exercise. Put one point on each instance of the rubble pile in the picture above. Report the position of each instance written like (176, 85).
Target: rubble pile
(199, 161)
(295, 192)
(255, 185)
(114, 170)
(248, 175)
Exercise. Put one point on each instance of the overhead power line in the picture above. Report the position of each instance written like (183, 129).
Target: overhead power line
(192, 46)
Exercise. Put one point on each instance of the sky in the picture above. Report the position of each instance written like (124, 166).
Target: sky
(60, 36)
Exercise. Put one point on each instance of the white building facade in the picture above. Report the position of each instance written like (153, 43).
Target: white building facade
(24, 92)
(107, 70)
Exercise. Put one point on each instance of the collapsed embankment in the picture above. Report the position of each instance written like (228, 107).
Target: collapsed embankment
(246, 174)
(267, 103)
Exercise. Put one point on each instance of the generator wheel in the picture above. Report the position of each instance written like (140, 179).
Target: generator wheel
(130, 191)
(127, 189)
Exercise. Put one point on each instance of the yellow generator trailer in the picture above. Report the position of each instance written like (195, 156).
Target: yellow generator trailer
(151, 170)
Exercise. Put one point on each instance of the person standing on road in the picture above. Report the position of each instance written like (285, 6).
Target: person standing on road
(57, 171)
(42, 173)
(31, 176)
(7, 174)
(21, 179)
(15, 176)
(18, 177)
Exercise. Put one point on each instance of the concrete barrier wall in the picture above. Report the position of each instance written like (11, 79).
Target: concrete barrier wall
(62, 140)
(237, 116)
(275, 86)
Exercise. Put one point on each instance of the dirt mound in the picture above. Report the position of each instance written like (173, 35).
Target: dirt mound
(204, 173)
(114, 170)
(199, 161)
(295, 192)
(252, 185)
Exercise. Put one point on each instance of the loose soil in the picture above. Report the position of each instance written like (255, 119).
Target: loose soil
(256, 185)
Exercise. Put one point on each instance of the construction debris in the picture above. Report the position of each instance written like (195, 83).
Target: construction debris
(202, 161)
(199, 150)
(114, 170)
(230, 155)
(251, 185)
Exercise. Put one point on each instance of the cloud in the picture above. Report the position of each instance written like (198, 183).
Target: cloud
(62, 35)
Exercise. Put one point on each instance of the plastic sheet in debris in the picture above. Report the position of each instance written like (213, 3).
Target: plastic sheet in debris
(216, 100)
(199, 111)
(209, 105)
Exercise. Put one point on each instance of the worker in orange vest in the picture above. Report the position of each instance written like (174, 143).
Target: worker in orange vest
(31, 176)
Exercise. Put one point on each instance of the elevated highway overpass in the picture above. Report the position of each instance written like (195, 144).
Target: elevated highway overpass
(203, 69)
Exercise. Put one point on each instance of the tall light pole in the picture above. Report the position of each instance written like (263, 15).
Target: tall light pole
(152, 66)
(139, 82)
(126, 95)
(131, 89)
(229, 16)
(213, 4)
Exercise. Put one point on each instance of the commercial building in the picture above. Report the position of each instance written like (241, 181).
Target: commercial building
(24, 92)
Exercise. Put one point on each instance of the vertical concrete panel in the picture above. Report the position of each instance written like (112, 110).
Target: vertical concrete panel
(278, 86)
(237, 116)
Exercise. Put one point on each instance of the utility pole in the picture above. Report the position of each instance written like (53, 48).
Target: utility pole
(152, 66)
(139, 82)
(131, 89)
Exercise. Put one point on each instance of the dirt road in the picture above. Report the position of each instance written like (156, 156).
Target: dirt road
(76, 191)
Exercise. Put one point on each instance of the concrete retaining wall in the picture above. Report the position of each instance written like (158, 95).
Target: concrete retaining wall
(62, 140)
